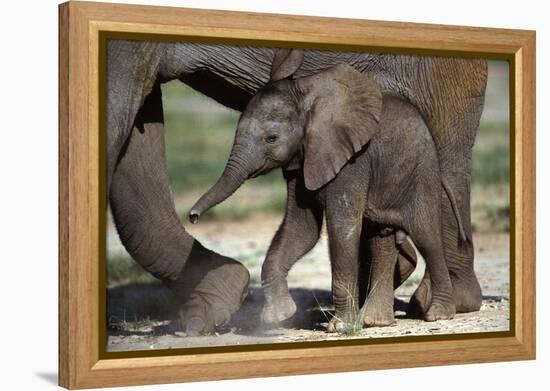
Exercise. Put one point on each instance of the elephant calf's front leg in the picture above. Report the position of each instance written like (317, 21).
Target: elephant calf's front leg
(344, 232)
(298, 233)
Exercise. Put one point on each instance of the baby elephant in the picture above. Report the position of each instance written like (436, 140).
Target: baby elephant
(363, 159)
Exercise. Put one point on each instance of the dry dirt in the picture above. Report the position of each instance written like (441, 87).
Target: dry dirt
(309, 280)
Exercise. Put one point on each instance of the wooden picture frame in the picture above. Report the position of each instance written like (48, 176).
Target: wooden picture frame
(83, 25)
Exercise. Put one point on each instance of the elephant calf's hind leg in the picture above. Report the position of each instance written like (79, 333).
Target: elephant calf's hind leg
(378, 308)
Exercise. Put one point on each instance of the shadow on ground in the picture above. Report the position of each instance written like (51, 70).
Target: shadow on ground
(139, 309)
(150, 309)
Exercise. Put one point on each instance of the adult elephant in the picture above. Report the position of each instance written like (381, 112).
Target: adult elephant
(448, 92)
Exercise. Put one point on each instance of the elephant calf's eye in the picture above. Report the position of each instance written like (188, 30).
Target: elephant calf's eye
(271, 138)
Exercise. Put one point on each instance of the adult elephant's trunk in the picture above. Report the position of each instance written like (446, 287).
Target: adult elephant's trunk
(236, 171)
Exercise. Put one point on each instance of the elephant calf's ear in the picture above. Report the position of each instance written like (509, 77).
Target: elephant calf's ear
(344, 115)
(285, 63)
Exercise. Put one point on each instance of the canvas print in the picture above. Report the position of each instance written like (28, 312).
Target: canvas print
(262, 195)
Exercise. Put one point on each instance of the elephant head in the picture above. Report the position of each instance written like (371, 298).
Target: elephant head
(314, 123)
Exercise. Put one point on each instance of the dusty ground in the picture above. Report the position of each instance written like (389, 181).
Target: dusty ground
(143, 316)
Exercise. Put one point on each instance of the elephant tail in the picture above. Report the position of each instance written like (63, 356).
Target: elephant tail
(452, 199)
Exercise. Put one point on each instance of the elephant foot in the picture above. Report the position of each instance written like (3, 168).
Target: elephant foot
(336, 325)
(349, 323)
(440, 311)
(194, 326)
(466, 292)
(278, 310)
(377, 315)
(197, 317)
(421, 300)
(466, 295)
(211, 288)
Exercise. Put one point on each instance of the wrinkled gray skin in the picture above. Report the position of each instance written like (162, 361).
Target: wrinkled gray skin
(209, 286)
(447, 92)
(366, 161)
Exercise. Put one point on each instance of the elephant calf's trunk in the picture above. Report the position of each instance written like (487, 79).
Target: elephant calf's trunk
(194, 216)
(228, 183)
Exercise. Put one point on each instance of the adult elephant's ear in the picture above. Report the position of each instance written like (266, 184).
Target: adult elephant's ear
(343, 109)
(285, 63)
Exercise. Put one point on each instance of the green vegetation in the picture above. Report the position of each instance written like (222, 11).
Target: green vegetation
(491, 178)
(491, 155)
(354, 322)
(122, 269)
(199, 136)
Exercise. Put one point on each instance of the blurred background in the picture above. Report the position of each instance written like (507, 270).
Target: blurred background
(199, 136)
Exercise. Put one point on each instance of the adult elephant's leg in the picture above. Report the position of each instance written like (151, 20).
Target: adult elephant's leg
(209, 286)
(132, 69)
(455, 164)
(459, 254)
(455, 157)
(298, 233)
(451, 100)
